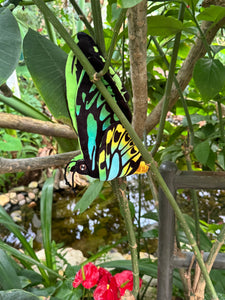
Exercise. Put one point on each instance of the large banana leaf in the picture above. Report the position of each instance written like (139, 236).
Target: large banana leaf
(46, 63)
(10, 45)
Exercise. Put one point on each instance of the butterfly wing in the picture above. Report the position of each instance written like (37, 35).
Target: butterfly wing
(107, 149)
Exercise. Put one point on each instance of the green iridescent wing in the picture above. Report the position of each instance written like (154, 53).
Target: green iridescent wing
(94, 120)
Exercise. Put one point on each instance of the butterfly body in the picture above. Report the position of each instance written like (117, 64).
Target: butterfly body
(107, 149)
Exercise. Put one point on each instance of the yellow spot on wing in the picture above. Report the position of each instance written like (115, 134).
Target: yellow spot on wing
(143, 168)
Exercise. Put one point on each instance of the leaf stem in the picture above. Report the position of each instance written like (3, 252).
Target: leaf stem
(82, 17)
(51, 32)
(119, 190)
(113, 42)
(168, 85)
(98, 28)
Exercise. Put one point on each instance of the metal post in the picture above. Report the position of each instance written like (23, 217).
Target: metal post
(166, 234)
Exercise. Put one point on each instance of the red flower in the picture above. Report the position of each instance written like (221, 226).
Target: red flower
(124, 281)
(39, 29)
(106, 289)
(103, 273)
(88, 276)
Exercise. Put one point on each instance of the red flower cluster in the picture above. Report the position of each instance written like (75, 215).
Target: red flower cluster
(108, 287)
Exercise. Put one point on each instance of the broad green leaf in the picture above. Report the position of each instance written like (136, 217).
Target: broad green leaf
(209, 77)
(212, 13)
(201, 152)
(18, 295)
(163, 26)
(46, 63)
(10, 143)
(128, 3)
(90, 195)
(8, 276)
(46, 218)
(10, 45)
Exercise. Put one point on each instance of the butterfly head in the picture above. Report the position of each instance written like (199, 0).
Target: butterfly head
(72, 170)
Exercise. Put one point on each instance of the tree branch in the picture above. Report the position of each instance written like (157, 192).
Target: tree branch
(137, 31)
(36, 126)
(185, 73)
(35, 163)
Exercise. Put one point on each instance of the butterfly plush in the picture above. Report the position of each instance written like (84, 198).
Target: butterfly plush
(107, 150)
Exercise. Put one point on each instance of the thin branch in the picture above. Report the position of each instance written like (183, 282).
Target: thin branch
(36, 126)
(82, 17)
(35, 163)
(169, 84)
(98, 28)
(137, 32)
(116, 29)
(119, 190)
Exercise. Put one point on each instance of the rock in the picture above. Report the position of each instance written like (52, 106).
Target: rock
(18, 189)
(16, 216)
(22, 202)
(12, 195)
(14, 201)
(4, 199)
(31, 195)
(36, 191)
(32, 204)
(33, 184)
(20, 196)
(7, 206)
(72, 256)
(28, 200)
(36, 221)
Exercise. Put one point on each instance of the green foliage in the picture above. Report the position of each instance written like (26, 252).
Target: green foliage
(199, 134)
(10, 44)
(90, 195)
(209, 77)
(47, 72)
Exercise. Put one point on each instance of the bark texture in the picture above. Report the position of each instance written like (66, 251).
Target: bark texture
(35, 163)
(36, 126)
(137, 32)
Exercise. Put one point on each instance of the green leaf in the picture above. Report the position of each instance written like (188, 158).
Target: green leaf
(23, 108)
(128, 3)
(46, 218)
(201, 152)
(90, 195)
(10, 46)
(212, 13)
(163, 26)
(10, 143)
(8, 222)
(46, 63)
(18, 295)
(209, 77)
(8, 276)
(23, 257)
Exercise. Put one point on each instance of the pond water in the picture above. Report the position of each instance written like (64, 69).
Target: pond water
(98, 226)
(102, 223)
